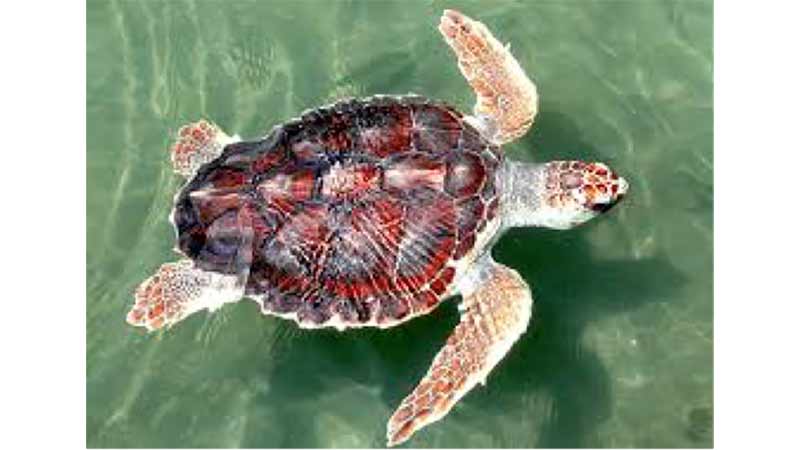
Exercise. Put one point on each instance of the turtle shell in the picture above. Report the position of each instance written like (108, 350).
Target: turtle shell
(354, 214)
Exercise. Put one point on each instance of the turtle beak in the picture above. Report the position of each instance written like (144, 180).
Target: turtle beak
(623, 188)
(603, 207)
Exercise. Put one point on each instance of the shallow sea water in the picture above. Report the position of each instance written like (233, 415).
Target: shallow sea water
(620, 353)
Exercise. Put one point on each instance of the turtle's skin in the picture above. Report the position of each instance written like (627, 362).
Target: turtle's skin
(370, 212)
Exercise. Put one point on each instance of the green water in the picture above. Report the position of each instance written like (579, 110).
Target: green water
(621, 350)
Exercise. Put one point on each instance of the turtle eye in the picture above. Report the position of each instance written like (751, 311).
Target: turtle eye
(602, 207)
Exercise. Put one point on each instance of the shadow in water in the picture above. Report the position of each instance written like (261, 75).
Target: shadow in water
(572, 288)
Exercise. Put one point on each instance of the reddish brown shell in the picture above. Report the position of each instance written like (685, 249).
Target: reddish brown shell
(351, 212)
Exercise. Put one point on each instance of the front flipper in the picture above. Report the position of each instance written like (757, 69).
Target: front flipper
(179, 289)
(496, 310)
(198, 143)
(506, 96)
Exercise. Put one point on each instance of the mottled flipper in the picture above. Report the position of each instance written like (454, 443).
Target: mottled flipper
(198, 143)
(505, 95)
(179, 289)
(496, 310)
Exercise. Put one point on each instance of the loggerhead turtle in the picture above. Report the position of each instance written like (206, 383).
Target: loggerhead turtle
(371, 212)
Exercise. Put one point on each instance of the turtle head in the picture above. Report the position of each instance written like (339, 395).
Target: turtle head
(577, 191)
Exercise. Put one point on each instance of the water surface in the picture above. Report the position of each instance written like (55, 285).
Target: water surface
(621, 351)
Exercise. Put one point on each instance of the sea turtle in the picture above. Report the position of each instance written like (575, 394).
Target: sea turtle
(370, 212)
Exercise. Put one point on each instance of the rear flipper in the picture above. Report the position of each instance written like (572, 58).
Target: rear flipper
(179, 289)
(198, 143)
(496, 310)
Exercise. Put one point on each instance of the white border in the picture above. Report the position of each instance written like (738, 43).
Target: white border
(756, 148)
(756, 239)
(43, 224)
